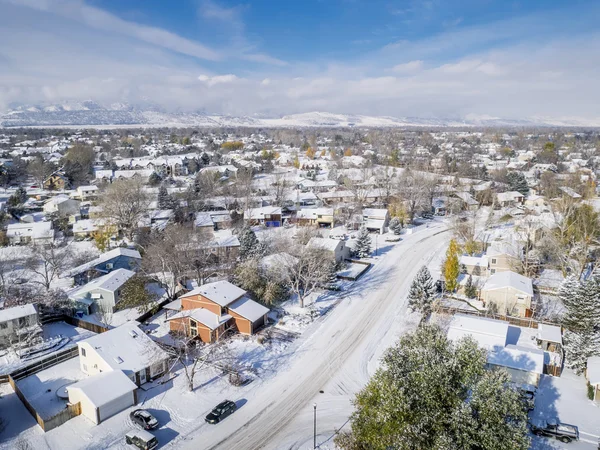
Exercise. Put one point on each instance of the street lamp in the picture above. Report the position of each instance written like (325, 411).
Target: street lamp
(315, 426)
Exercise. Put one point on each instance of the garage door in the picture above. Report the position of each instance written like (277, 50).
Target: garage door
(115, 406)
(259, 323)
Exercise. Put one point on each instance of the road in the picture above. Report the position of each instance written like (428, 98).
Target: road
(341, 350)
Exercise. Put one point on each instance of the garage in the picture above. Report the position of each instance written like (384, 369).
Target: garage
(104, 395)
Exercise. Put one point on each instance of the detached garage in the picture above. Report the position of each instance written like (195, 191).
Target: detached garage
(249, 316)
(104, 395)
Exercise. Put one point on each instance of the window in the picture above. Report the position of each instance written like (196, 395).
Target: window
(493, 260)
(493, 271)
(84, 368)
(83, 352)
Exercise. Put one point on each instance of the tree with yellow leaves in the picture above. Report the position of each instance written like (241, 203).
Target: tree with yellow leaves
(310, 153)
(323, 153)
(348, 152)
(102, 237)
(296, 162)
(451, 266)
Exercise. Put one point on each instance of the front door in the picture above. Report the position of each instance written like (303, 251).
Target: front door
(143, 376)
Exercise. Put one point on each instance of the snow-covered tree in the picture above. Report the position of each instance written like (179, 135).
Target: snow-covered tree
(470, 288)
(433, 394)
(363, 244)
(250, 246)
(581, 320)
(164, 200)
(422, 291)
(395, 225)
(517, 182)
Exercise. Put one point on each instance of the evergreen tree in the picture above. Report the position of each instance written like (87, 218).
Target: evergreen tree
(154, 179)
(363, 244)
(422, 291)
(205, 159)
(517, 182)
(470, 288)
(433, 394)
(395, 225)
(582, 321)
(164, 200)
(451, 266)
(250, 246)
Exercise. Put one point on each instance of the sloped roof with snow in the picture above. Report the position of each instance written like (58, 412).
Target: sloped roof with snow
(249, 309)
(501, 280)
(550, 333)
(521, 358)
(326, 243)
(481, 261)
(17, 312)
(488, 333)
(104, 387)
(221, 292)
(104, 257)
(204, 316)
(110, 282)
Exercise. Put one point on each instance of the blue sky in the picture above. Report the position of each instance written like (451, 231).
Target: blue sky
(403, 58)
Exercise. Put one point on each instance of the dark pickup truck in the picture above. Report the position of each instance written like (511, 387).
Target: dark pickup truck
(561, 431)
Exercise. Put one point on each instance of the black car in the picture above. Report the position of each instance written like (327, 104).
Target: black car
(561, 431)
(144, 419)
(221, 411)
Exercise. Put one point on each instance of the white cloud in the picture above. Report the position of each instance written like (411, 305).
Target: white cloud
(218, 79)
(409, 67)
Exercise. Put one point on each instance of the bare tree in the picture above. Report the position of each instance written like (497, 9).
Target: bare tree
(311, 270)
(280, 188)
(48, 261)
(417, 190)
(124, 203)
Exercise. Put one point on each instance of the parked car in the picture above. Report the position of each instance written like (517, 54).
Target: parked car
(141, 439)
(527, 394)
(221, 411)
(144, 419)
(561, 431)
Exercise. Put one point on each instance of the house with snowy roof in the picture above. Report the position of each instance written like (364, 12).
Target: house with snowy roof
(375, 219)
(320, 217)
(100, 294)
(511, 198)
(24, 233)
(118, 258)
(509, 292)
(337, 247)
(210, 310)
(18, 322)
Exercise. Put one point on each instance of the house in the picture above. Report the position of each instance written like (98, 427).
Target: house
(474, 265)
(212, 309)
(337, 247)
(118, 258)
(18, 323)
(62, 205)
(269, 216)
(320, 217)
(375, 219)
(467, 201)
(103, 395)
(100, 294)
(105, 175)
(509, 292)
(126, 349)
(511, 198)
(87, 227)
(525, 365)
(57, 181)
(213, 220)
(502, 257)
(24, 233)
(87, 192)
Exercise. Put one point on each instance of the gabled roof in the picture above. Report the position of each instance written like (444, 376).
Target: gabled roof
(488, 333)
(326, 243)
(204, 316)
(248, 309)
(104, 257)
(110, 282)
(501, 280)
(521, 358)
(104, 387)
(220, 292)
(17, 312)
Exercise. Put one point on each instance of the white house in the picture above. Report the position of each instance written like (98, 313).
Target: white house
(125, 348)
(36, 232)
(62, 205)
(18, 322)
(103, 395)
(510, 292)
(375, 219)
(87, 192)
(337, 247)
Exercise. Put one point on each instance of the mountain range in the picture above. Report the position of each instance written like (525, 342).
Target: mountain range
(92, 114)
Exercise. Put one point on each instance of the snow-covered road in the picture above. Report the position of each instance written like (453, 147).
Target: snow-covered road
(335, 357)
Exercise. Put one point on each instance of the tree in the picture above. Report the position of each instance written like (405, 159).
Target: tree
(517, 182)
(103, 236)
(581, 320)
(154, 179)
(470, 288)
(296, 162)
(451, 266)
(417, 191)
(250, 246)
(47, 261)
(39, 169)
(135, 295)
(18, 198)
(124, 203)
(310, 153)
(422, 292)
(363, 244)
(78, 163)
(310, 271)
(433, 394)
(164, 200)
(395, 225)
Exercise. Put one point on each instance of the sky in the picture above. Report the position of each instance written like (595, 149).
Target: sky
(403, 58)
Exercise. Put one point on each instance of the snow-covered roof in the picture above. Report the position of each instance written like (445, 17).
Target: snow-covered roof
(516, 357)
(481, 261)
(204, 316)
(110, 282)
(87, 225)
(260, 213)
(126, 348)
(16, 312)
(375, 213)
(314, 213)
(221, 292)
(501, 280)
(36, 230)
(550, 279)
(593, 370)
(326, 243)
(104, 257)
(248, 309)
(175, 305)
(488, 333)
(550, 333)
(105, 387)
(510, 196)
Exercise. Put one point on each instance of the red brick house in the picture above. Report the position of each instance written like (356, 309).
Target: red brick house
(211, 309)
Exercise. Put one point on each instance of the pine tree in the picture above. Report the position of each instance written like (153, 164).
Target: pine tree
(422, 292)
(517, 182)
(395, 225)
(470, 288)
(154, 179)
(582, 320)
(451, 266)
(363, 244)
(164, 200)
(250, 246)
(205, 159)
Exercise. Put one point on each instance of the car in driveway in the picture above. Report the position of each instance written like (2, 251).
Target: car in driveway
(221, 411)
(144, 419)
(561, 431)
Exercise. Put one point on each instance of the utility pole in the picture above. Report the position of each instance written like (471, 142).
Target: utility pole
(315, 426)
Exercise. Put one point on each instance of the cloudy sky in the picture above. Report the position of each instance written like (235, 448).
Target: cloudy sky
(431, 58)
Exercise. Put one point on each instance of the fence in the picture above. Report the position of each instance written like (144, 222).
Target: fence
(44, 363)
(517, 321)
(86, 325)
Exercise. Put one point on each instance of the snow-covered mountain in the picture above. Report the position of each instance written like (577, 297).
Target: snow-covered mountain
(91, 114)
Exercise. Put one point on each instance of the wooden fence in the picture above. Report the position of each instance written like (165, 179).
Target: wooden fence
(44, 363)
(526, 322)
